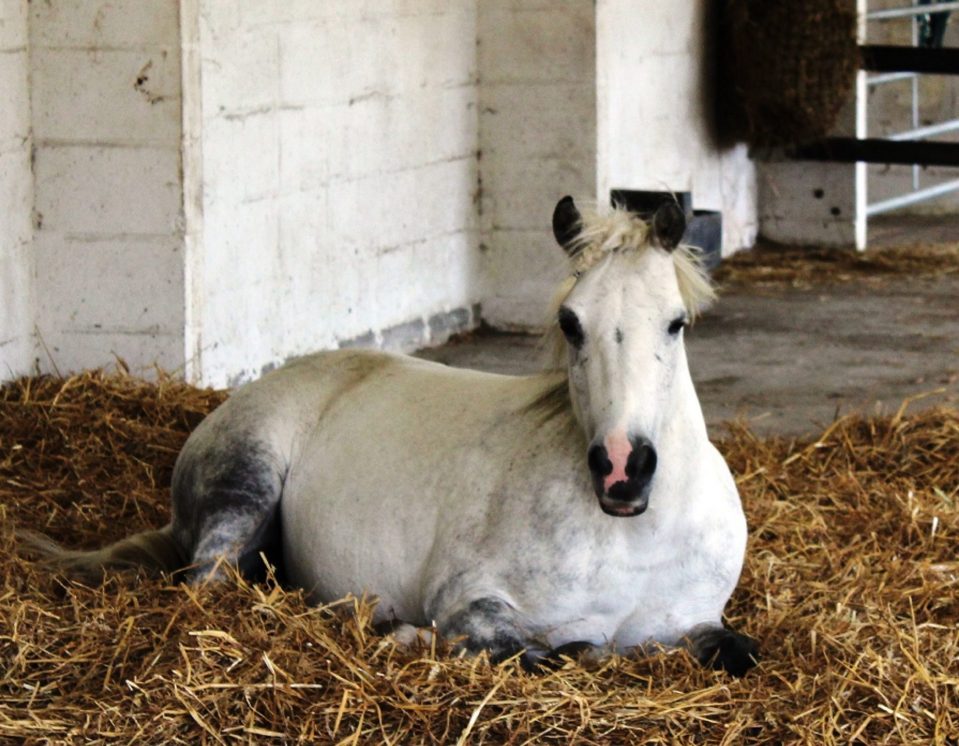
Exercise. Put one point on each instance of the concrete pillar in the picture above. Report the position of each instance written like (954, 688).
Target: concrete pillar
(221, 185)
(537, 142)
(17, 346)
(653, 88)
(108, 239)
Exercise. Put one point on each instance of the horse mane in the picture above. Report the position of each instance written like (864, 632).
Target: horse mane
(614, 230)
(553, 399)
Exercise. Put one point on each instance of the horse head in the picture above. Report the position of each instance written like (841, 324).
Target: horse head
(632, 291)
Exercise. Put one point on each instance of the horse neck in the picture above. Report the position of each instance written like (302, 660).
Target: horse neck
(683, 438)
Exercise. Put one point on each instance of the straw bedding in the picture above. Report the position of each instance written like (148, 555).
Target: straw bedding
(775, 265)
(850, 585)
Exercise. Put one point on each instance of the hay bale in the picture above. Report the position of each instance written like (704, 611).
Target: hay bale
(851, 584)
(786, 69)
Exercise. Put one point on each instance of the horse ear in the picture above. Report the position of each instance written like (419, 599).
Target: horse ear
(567, 223)
(669, 224)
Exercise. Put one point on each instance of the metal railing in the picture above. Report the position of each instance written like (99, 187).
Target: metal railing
(865, 81)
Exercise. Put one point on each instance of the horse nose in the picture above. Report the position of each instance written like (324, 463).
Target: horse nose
(641, 464)
(622, 467)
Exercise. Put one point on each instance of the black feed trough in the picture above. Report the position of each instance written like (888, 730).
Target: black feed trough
(704, 228)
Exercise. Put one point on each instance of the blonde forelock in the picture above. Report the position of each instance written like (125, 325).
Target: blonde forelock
(617, 230)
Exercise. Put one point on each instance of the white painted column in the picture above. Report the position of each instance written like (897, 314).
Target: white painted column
(862, 124)
(17, 344)
(537, 143)
(105, 102)
(191, 86)
(652, 113)
(330, 178)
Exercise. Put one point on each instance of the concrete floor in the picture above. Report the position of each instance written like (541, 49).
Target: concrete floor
(789, 361)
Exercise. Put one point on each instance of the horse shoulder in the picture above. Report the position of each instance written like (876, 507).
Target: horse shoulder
(426, 445)
(722, 500)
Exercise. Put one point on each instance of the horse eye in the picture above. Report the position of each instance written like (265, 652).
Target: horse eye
(572, 330)
(676, 325)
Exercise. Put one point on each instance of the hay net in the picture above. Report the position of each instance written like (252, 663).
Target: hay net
(786, 69)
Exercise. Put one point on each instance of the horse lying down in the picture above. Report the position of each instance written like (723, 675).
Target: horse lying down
(583, 507)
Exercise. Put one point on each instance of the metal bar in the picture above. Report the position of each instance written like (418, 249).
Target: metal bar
(892, 58)
(861, 176)
(913, 197)
(861, 170)
(920, 132)
(877, 150)
(889, 78)
(914, 23)
(921, 10)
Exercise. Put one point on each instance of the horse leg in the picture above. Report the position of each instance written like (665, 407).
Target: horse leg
(492, 625)
(722, 649)
(226, 497)
(576, 650)
(408, 636)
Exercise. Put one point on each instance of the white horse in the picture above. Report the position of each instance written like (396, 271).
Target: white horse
(582, 507)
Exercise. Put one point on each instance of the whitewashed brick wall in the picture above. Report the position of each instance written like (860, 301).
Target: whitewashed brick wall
(220, 185)
(17, 346)
(336, 147)
(105, 99)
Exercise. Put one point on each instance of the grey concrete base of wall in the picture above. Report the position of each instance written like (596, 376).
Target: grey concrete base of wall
(419, 333)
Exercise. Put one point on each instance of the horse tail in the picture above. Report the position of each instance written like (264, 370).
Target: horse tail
(154, 551)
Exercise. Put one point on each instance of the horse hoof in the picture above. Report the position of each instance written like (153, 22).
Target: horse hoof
(556, 658)
(733, 653)
(573, 650)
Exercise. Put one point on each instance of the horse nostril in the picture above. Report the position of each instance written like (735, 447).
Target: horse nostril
(641, 463)
(598, 460)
